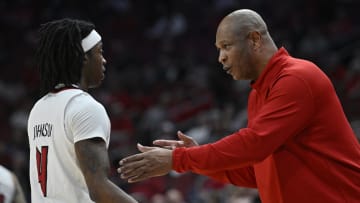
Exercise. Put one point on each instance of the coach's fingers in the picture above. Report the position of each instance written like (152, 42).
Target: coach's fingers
(186, 140)
(136, 157)
(128, 167)
(183, 137)
(169, 144)
(132, 172)
(169, 147)
(132, 158)
(142, 148)
(138, 178)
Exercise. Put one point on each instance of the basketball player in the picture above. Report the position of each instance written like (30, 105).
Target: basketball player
(68, 129)
(10, 189)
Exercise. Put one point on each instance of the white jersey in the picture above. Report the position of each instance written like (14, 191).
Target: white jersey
(7, 185)
(56, 122)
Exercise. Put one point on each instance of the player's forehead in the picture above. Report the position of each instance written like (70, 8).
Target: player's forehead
(97, 46)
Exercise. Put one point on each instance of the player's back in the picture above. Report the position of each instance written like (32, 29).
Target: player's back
(55, 176)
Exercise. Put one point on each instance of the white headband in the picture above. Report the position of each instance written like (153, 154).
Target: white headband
(90, 41)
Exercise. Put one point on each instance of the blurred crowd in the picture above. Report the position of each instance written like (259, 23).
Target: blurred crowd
(162, 76)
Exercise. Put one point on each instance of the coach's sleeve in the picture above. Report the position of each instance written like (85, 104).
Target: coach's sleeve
(287, 110)
(244, 177)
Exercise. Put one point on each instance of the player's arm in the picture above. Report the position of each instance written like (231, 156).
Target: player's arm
(88, 123)
(94, 163)
(19, 194)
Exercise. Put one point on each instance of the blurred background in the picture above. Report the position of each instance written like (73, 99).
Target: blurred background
(162, 76)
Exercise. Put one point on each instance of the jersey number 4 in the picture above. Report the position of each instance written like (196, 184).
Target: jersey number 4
(41, 163)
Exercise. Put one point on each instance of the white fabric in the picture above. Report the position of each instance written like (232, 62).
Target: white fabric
(86, 118)
(57, 121)
(90, 41)
(7, 185)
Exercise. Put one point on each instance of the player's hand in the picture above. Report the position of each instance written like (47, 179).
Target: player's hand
(184, 141)
(153, 161)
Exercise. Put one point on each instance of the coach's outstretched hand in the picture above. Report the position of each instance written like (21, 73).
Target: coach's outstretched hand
(184, 141)
(153, 161)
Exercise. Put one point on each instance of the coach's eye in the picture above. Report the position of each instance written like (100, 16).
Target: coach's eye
(226, 46)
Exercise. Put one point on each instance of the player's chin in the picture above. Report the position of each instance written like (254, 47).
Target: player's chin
(100, 79)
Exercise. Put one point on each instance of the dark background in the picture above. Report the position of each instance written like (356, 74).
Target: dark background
(163, 75)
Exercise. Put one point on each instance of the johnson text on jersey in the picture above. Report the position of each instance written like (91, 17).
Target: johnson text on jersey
(43, 130)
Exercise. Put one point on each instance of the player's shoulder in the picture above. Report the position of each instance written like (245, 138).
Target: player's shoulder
(57, 98)
(85, 98)
(85, 102)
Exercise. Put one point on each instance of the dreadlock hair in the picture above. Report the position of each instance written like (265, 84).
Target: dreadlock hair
(60, 55)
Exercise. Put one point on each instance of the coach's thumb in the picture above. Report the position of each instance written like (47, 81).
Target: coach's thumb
(142, 148)
(183, 137)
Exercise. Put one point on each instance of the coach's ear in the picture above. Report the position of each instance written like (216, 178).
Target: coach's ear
(255, 39)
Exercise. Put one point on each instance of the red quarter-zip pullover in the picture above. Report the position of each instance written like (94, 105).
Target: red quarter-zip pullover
(298, 146)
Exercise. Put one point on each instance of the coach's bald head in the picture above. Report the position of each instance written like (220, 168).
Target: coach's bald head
(244, 43)
(244, 21)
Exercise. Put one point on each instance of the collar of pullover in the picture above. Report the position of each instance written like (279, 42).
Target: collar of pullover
(274, 65)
